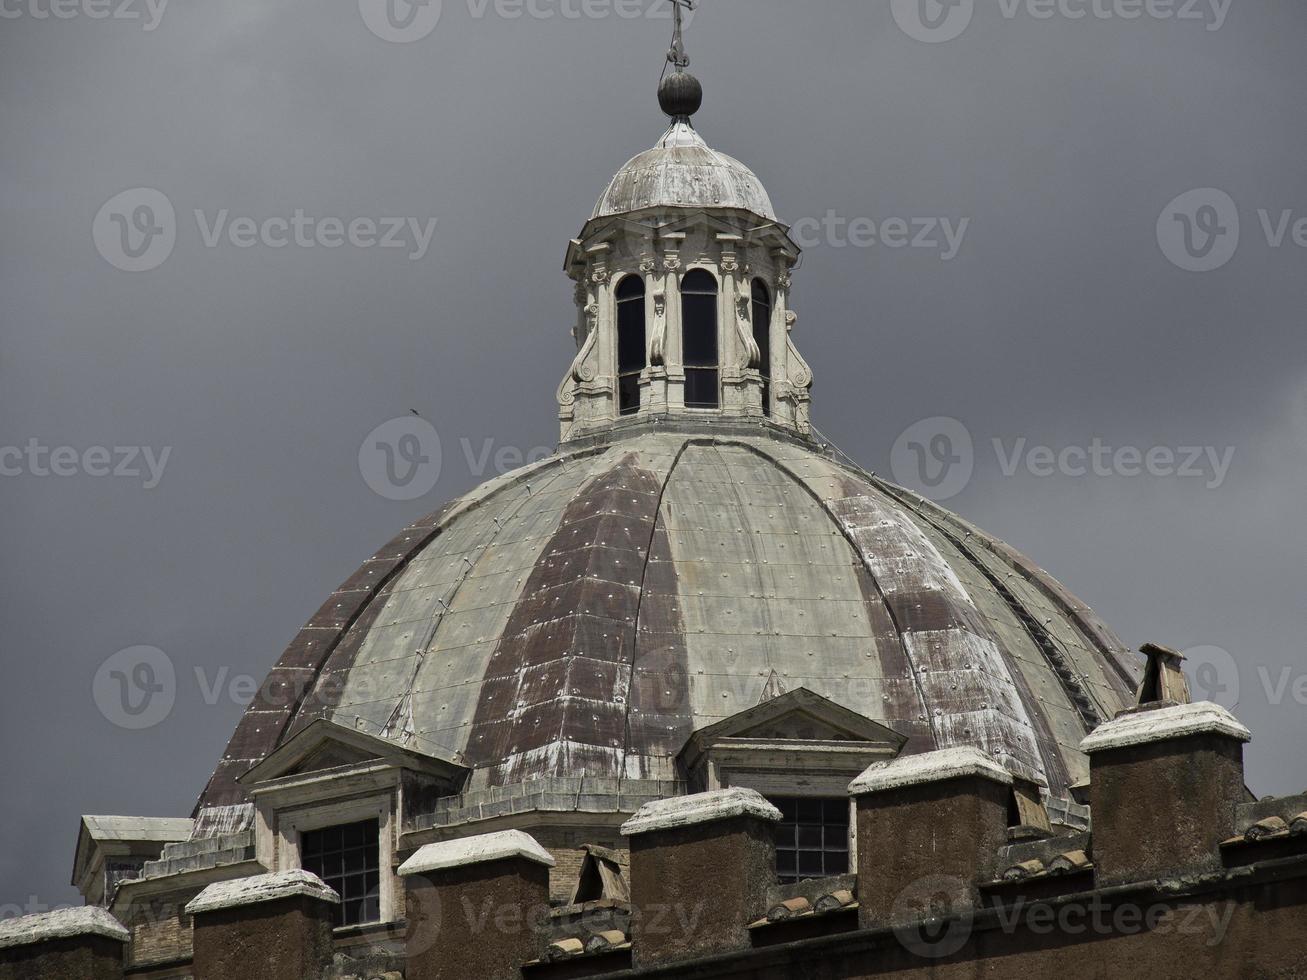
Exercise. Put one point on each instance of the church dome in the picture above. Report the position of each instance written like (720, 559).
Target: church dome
(683, 171)
(587, 614)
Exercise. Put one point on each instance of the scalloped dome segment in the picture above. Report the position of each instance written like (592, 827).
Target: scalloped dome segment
(586, 614)
(685, 172)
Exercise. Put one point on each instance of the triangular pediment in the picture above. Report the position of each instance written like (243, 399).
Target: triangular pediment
(324, 745)
(332, 755)
(800, 715)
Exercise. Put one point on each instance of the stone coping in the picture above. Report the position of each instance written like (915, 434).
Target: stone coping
(1178, 721)
(259, 889)
(475, 850)
(685, 811)
(85, 920)
(929, 767)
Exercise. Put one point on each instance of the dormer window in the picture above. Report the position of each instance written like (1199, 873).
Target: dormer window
(631, 346)
(331, 800)
(699, 339)
(762, 337)
(800, 750)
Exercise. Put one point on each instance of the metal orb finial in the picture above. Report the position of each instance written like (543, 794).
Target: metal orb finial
(680, 93)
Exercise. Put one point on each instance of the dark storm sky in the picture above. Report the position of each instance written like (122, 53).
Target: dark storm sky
(1059, 321)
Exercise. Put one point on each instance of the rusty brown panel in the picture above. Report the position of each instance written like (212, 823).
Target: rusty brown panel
(340, 609)
(604, 725)
(284, 687)
(590, 636)
(306, 650)
(611, 530)
(555, 614)
(660, 718)
(601, 561)
(920, 612)
(565, 608)
(222, 789)
(370, 574)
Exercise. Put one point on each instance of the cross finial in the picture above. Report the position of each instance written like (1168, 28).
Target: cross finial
(677, 56)
(679, 93)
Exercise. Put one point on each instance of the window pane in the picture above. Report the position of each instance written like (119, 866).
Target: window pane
(810, 811)
(699, 281)
(630, 288)
(811, 838)
(347, 858)
(630, 336)
(699, 338)
(810, 863)
(628, 394)
(701, 388)
(699, 330)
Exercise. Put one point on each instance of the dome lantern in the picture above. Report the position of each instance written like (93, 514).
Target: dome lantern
(682, 289)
